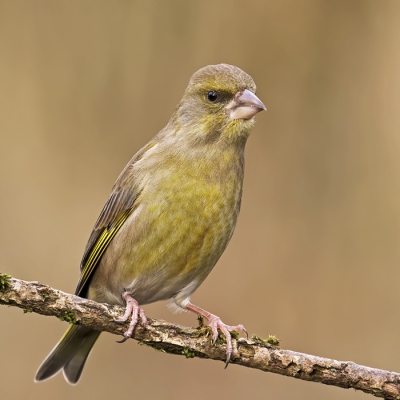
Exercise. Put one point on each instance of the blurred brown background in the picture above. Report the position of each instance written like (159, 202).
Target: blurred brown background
(315, 258)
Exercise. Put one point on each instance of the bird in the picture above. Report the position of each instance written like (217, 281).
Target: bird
(170, 215)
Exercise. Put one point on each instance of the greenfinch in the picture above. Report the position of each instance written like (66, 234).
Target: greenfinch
(170, 215)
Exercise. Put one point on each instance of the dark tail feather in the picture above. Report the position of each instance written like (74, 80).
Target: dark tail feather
(69, 354)
(74, 367)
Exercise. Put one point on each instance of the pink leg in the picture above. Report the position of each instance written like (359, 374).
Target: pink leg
(215, 322)
(134, 311)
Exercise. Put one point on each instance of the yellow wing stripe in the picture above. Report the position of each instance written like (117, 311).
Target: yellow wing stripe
(99, 248)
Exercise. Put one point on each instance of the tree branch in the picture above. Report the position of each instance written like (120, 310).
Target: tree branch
(195, 342)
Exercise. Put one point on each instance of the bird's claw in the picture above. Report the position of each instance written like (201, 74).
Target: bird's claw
(134, 311)
(122, 340)
(215, 323)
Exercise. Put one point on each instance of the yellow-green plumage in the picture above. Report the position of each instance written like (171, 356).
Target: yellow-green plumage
(183, 222)
(172, 210)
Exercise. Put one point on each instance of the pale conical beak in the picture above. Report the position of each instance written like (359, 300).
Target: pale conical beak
(245, 105)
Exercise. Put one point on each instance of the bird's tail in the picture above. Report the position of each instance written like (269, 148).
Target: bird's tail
(70, 354)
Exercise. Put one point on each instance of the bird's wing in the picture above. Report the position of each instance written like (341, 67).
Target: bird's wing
(97, 245)
(115, 212)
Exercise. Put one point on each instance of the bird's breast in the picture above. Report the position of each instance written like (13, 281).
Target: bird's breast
(183, 223)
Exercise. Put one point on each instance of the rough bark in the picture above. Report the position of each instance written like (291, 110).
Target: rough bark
(195, 342)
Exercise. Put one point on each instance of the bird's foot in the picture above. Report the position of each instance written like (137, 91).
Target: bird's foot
(215, 323)
(134, 311)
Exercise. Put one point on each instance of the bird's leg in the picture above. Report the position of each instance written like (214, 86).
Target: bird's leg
(134, 311)
(215, 322)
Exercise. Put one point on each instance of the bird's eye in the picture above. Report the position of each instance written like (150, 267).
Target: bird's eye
(212, 96)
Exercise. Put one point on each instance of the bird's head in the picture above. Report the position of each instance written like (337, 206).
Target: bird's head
(219, 102)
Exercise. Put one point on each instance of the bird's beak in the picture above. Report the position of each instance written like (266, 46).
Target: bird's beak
(245, 105)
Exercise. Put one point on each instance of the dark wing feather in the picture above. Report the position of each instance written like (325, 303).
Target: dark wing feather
(100, 243)
(115, 212)
(118, 202)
